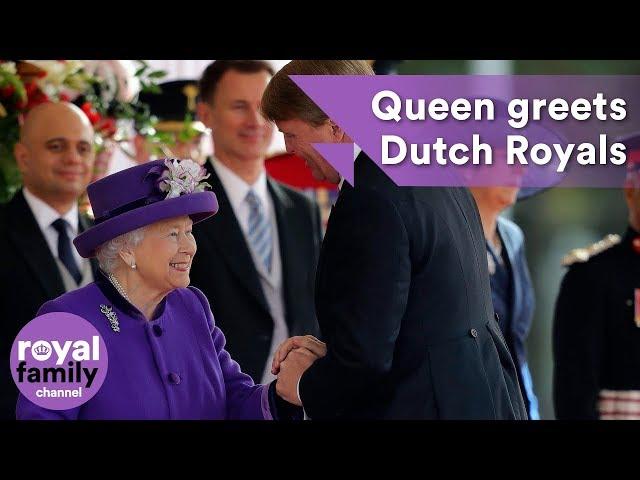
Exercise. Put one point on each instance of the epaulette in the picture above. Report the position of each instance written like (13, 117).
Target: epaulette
(581, 255)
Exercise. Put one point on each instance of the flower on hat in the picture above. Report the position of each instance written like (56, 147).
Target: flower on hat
(182, 177)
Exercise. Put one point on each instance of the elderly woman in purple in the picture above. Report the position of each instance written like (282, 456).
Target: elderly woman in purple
(167, 358)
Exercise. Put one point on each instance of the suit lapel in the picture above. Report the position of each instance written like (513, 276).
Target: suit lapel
(289, 252)
(224, 230)
(29, 241)
(345, 192)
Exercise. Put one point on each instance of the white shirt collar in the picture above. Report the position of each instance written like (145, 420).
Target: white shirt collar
(236, 188)
(356, 152)
(45, 214)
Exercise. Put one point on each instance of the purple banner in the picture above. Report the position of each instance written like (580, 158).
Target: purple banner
(532, 131)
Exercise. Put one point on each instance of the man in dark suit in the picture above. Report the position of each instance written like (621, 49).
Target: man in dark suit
(402, 293)
(55, 156)
(256, 258)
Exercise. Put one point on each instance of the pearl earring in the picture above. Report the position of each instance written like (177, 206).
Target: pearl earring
(133, 266)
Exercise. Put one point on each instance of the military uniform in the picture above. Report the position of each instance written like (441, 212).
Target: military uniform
(596, 334)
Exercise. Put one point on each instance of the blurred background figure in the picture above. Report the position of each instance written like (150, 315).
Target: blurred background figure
(385, 67)
(596, 335)
(55, 156)
(177, 133)
(102, 103)
(257, 257)
(110, 99)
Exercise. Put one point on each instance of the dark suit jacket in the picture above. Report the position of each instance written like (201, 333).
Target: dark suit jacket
(223, 269)
(522, 307)
(29, 277)
(404, 305)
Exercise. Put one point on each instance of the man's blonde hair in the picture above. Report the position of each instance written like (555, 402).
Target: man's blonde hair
(284, 100)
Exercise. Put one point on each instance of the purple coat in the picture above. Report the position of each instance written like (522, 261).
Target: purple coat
(172, 367)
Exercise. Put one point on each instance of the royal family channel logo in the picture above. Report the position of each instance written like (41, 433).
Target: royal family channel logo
(59, 361)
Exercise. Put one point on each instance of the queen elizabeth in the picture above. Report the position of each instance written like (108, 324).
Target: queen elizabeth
(167, 357)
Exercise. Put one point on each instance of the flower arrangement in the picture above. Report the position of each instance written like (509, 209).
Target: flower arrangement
(104, 90)
(23, 85)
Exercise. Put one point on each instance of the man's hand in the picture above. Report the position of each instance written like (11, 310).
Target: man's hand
(309, 342)
(290, 371)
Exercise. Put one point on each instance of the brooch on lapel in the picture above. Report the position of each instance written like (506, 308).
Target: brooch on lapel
(111, 316)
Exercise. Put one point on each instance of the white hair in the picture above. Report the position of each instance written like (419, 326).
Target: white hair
(109, 252)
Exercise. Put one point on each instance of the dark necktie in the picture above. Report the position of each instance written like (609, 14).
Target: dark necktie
(65, 252)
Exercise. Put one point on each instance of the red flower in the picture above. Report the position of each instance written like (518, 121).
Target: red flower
(86, 107)
(36, 99)
(94, 118)
(7, 91)
(92, 115)
(107, 127)
(41, 74)
(30, 88)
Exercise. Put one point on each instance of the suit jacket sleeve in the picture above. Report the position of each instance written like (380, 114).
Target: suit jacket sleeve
(366, 284)
(578, 335)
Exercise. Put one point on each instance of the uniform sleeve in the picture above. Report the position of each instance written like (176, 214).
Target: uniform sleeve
(578, 334)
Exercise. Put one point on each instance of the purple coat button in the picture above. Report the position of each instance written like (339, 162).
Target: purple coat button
(174, 378)
(157, 330)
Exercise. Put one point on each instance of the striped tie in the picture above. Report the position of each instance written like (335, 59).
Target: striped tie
(259, 235)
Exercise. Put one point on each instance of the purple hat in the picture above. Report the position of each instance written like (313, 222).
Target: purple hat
(142, 195)
(543, 176)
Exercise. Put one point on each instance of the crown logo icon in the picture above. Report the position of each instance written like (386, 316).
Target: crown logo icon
(41, 350)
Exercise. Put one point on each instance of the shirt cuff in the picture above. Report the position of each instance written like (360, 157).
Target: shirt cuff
(279, 408)
(304, 412)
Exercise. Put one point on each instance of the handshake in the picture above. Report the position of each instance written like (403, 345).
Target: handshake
(292, 358)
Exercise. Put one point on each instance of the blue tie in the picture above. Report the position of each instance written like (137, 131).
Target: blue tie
(259, 235)
(65, 254)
